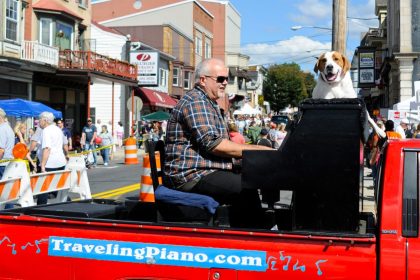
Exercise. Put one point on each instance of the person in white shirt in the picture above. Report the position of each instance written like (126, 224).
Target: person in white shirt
(7, 141)
(53, 157)
(402, 127)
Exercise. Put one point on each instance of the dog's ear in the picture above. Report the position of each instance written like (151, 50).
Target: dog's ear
(346, 63)
(316, 69)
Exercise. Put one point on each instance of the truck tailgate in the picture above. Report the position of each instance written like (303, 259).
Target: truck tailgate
(49, 248)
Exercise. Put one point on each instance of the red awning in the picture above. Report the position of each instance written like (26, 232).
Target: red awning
(48, 5)
(157, 98)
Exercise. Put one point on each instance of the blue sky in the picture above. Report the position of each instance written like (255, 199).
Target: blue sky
(267, 38)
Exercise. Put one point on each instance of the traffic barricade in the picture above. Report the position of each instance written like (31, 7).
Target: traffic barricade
(78, 179)
(19, 169)
(146, 185)
(56, 181)
(130, 149)
(9, 191)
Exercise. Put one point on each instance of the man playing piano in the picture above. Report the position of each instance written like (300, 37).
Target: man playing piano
(198, 150)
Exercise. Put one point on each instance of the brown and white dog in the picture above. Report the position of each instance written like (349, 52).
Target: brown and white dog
(334, 81)
(334, 78)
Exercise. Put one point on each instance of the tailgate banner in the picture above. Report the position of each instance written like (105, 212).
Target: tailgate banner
(160, 254)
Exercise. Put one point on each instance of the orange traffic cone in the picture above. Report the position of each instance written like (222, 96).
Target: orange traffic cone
(131, 151)
(146, 188)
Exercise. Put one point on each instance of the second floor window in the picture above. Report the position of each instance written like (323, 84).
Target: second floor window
(46, 31)
(207, 48)
(12, 16)
(82, 3)
(187, 84)
(175, 77)
(64, 36)
(163, 76)
(198, 44)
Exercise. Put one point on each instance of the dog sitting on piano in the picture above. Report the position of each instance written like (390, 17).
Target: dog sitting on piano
(334, 81)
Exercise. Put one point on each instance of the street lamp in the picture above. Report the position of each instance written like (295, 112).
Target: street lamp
(297, 27)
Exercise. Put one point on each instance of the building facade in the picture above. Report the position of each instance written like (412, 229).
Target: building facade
(46, 55)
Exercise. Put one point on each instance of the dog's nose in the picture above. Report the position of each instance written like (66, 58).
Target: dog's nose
(329, 67)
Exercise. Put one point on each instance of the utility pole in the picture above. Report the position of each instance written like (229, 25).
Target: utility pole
(339, 28)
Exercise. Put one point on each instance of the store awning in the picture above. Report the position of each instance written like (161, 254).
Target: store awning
(51, 6)
(157, 98)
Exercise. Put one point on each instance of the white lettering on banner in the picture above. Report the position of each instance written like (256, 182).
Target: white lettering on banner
(159, 254)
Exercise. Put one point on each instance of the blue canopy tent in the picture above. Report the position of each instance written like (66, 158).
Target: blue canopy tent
(25, 108)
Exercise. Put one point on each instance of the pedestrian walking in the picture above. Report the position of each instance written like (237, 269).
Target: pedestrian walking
(263, 141)
(89, 133)
(66, 133)
(120, 134)
(20, 130)
(7, 141)
(52, 143)
(107, 140)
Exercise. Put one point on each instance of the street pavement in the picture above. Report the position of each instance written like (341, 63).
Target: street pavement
(117, 180)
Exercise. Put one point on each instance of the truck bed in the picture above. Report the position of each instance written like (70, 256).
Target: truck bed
(79, 246)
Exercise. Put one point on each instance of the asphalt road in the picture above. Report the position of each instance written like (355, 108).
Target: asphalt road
(117, 180)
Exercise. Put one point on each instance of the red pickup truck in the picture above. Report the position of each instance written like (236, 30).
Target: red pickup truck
(119, 240)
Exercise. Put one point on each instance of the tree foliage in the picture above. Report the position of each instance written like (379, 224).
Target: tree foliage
(286, 84)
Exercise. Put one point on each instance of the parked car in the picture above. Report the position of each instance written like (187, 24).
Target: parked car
(278, 119)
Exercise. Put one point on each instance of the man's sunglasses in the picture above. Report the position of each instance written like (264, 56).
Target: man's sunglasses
(219, 79)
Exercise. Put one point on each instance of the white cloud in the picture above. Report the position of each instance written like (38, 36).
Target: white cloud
(302, 49)
(299, 49)
(311, 11)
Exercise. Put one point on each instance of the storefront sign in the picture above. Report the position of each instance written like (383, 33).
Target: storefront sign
(366, 67)
(147, 63)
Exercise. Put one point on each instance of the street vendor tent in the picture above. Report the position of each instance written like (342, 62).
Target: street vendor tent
(247, 110)
(25, 108)
(156, 116)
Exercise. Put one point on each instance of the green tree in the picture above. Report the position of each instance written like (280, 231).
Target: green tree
(286, 84)
(309, 81)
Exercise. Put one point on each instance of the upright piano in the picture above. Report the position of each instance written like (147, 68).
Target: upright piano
(320, 160)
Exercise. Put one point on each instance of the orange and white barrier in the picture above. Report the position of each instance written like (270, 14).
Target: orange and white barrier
(50, 182)
(9, 191)
(130, 149)
(14, 170)
(147, 193)
(79, 180)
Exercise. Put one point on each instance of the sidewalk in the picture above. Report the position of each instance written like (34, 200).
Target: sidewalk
(119, 156)
(368, 199)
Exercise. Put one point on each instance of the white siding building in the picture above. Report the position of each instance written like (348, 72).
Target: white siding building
(112, 44)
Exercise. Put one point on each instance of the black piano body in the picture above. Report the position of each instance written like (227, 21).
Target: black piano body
(320, 161)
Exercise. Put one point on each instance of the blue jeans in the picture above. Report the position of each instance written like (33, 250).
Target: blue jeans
(105, 155)
(91, 147)
(2, 168)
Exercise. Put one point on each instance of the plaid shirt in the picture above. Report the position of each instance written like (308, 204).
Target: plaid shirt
(195, 127)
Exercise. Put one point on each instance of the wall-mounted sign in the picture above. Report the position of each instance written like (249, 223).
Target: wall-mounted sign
(366, 65)
(147, 63)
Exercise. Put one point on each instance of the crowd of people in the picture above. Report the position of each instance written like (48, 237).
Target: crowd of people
(250, 130)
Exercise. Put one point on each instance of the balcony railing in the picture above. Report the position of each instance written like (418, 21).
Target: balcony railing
(40, 53)
(87, 60)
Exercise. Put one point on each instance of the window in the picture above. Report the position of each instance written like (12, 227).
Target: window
(187, 80)
(63, 36)
(175, 77)
(45, 34)
(82, 3)
(12, 15)
(198, 44)
(163, 77)
(207, 48)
